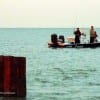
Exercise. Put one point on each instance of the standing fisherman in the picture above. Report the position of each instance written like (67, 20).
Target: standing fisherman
(93, 35)
(77, 34)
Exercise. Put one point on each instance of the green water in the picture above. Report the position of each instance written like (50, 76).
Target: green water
(54, 74)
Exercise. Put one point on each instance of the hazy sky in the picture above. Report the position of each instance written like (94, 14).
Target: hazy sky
(49, 13)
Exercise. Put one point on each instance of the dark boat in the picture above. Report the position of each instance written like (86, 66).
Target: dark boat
(69, 45)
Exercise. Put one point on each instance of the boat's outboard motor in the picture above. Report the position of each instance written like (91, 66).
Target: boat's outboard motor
(61, 39)
(54, 39)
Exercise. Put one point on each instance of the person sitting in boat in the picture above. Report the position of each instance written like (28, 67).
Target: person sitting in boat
(93, 35)
(77, 34)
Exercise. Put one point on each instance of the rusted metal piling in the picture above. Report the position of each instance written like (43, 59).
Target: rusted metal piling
(12, 76)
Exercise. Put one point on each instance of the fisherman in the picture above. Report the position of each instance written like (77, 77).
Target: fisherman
(93, 34)
(77, 34)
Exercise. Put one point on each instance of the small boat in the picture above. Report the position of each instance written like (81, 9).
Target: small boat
(71, 44)
(81, 45)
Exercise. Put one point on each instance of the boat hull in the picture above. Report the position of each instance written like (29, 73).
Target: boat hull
(85, 45)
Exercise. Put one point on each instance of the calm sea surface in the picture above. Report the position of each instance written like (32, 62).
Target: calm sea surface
(54, 74)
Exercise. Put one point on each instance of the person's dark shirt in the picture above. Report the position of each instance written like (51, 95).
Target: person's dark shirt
(77, 33)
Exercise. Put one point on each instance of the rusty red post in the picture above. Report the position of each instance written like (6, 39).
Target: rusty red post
(21, 76)
(12, 76)
(1, 74)
(7, 75)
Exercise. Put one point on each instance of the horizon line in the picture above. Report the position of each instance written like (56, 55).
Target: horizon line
(44, 27)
